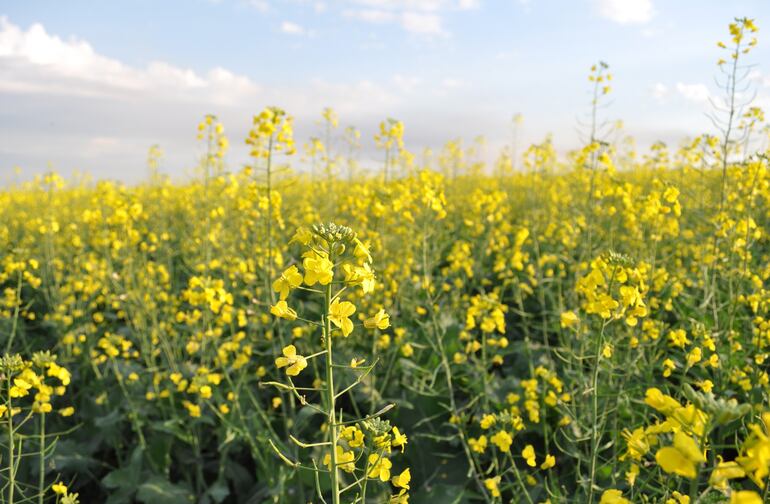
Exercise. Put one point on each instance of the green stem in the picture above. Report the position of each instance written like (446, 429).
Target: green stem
(15, 315)
(332, 420)
(518, 478)
(41, 479)
(11, 448)
(595, 435)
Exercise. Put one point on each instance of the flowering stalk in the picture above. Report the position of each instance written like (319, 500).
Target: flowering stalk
(11, 445)
(330, 399)
(329, 248)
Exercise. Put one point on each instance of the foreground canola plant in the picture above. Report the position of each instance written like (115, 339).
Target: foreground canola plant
(590, 328)
(361, 447)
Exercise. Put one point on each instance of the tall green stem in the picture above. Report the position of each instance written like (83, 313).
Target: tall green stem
(332, 418)
(11, 447)
(595, 434)
(41, 479)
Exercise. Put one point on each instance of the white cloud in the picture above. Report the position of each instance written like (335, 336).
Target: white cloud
(406, 83)
(260, 5)
(292, 28)
(422, 17)
(659, 91)
(418, 22)
(371, 15)
(468, 4)
(101, 146)
(80, 108)
(422, 23)
(33, 61)
(626, 11)
(451, 83)
(419, 5)
(760, 79)
(696, 93)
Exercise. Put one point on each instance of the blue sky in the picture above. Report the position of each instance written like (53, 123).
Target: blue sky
(91, 85)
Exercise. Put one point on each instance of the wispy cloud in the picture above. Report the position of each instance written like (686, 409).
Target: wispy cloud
(659, 91)
(422, 22)
(626, 11)
(54, 76)
(292, 28)
(34, 61)
(695, 93)
(422, 17)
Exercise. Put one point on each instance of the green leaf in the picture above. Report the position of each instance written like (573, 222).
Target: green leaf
(218, 491)
(441, 494)
(158, 490)
(127, 477)
(121, 496)
(109, 420)
(70, 456)
(174, 427)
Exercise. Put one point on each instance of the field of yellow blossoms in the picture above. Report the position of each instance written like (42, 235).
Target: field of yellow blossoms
(586, 328)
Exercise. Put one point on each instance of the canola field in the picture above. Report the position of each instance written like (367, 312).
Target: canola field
(586, 328)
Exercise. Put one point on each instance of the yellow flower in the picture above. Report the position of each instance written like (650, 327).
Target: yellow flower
(360, 275)
(362, 251)
(492, 484)
(725, 471)
(379, 467)
(193, 409)
(487, 421)
(668, 367)
(613, 497)
(380, 320)
(399, 440)
(345, 460)
(550, 461)
(318, 268)
(281, 310)
(529, 455)
(706, 385)
(755, 458)
(302, 236)
(339, 315)
(18, 391)
(502, 440)
(637, 443)
(59, 488)
(682, 457)
(59, 372)
(402, 480)
(291, 278)
(68, 411)
(632, 473)
(353, 435)
(478, 445)
(745, 497)
(678, 498)
(569, 319)
(694, 356)
(661, 402)
(296, 363)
